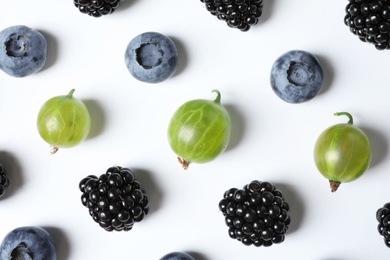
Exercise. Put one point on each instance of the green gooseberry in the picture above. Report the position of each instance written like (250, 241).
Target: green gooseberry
(63, 121)
(199, 130)
(342, 153)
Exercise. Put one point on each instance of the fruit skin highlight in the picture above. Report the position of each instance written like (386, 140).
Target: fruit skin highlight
(28, 242)
(23, 51)
(342, 153)
(199, 130)
(63, 121)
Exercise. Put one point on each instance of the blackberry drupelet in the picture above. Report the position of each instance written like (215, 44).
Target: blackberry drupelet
(257, 214)
(370, 21)
(383, 217)
(4, 181)
(240, 14)
(115, 200)
(97, 8)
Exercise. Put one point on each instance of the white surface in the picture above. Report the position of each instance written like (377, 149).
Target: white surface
(272, 140)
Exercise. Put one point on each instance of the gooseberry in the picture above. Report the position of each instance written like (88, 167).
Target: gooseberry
(342, 153)
(199, 130)
(63, 121)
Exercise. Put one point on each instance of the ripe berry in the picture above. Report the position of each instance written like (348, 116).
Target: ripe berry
(115, 199)
(97, 8)
(257, 214)
(369, 20)
(4, 181)
(240, 14)
(383, 217)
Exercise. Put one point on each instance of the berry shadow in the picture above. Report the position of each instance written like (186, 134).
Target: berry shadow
(268, 7)
(328, 72)
(238, 126)
(379, 145)
(152, 190)
(52, 49)
(297, 208)
(183, 57)
(61, 242)
(124, 5)
(98, 118)
(14, 173)
(197, 255)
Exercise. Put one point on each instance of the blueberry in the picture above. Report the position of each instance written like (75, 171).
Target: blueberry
(296, 76)
(29, 242)
(22, 51)
(151, 57)
(177, 256)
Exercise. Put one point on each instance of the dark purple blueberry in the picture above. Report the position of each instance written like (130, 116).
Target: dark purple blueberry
(296, 76)
(151, 57)
(29, 242)
(177, 256)
(23, 51)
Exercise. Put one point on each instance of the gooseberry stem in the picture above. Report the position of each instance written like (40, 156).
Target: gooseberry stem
(183, 163)
(54, 150)
(350, 121)
(70, 94)
(218, 98)
(334, 185)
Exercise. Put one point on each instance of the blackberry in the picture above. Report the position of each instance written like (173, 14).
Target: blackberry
(240, 14)
(115, 200)
(97, 8)
(257, 214)
(383, 217)
(4, 181)
(370, 21)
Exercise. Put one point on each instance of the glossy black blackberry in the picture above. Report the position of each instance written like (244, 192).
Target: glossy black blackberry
(240, 14)
(257, 214)
(383, 217)
(116, 199)
(97, 8)
(4, 181)
(370, 21)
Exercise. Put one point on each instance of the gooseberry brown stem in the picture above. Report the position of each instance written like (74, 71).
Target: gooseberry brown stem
(350, 121)
(183, 163)
(334, 185)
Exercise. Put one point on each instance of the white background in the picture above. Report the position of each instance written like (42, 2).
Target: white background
(271, 141)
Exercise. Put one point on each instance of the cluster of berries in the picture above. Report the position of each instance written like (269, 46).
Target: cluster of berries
(115, 200)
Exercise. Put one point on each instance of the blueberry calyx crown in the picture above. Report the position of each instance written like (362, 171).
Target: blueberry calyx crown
(16, 46)
(21, 251)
